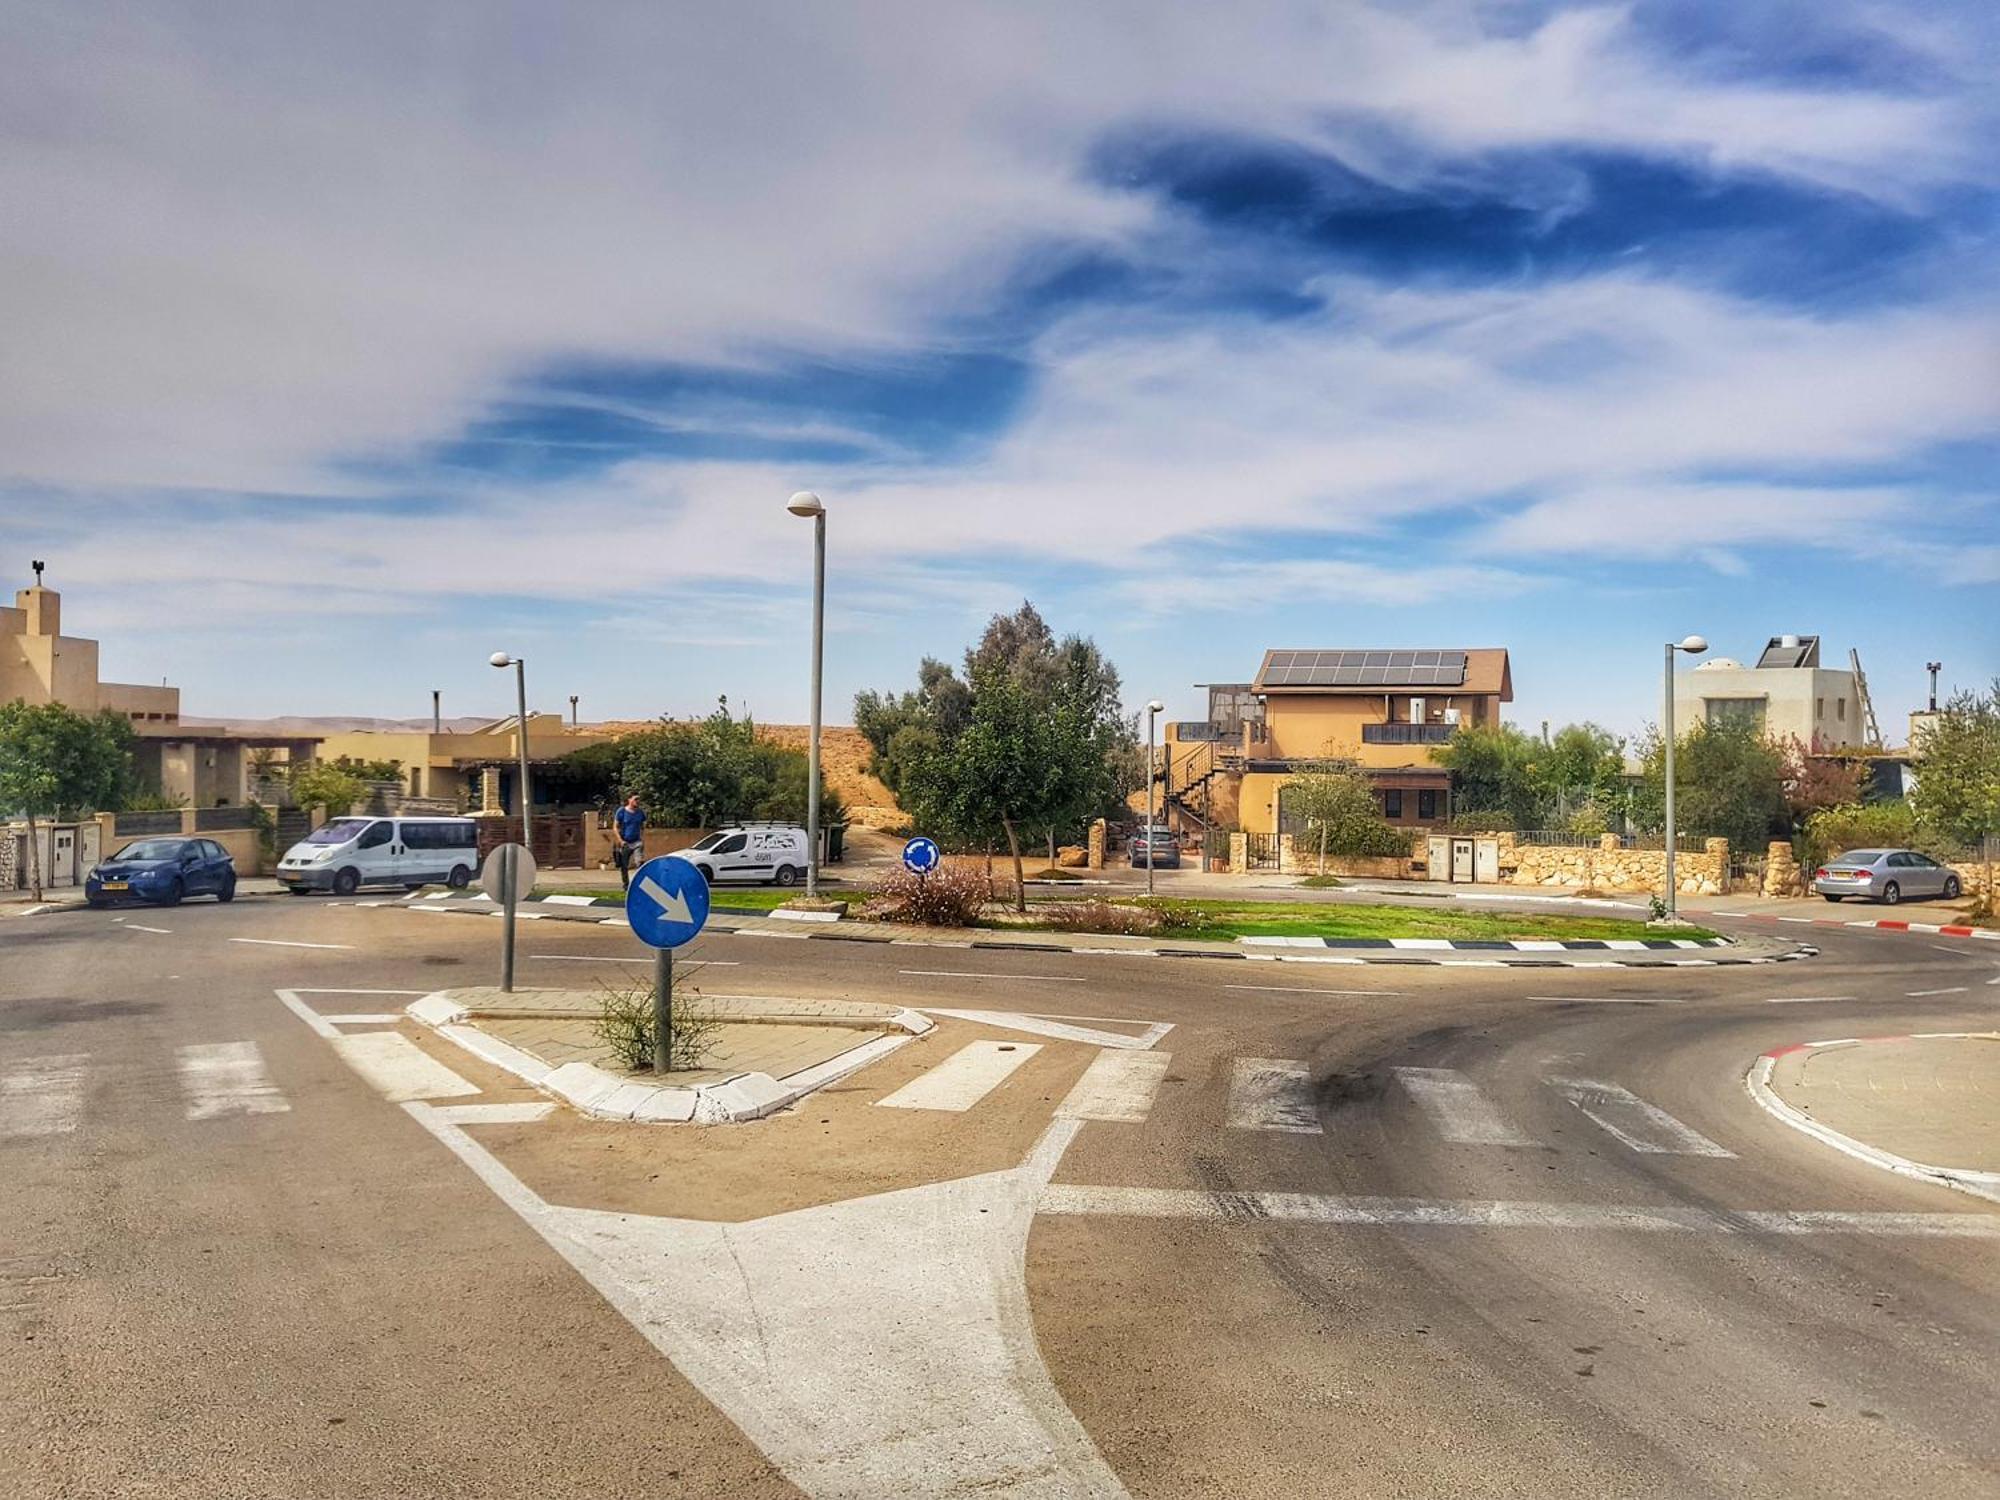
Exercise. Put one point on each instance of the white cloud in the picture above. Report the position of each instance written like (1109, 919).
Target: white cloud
(243, 244)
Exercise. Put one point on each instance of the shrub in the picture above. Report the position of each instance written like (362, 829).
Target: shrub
(1176, 916)
(950, 896)
(1099, 916)
(1872, 825)
(625, 1025)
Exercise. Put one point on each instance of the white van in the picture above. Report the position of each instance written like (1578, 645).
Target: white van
(759, 853)
(348, 853)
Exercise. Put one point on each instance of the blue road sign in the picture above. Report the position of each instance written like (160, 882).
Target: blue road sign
(921, 856)
(668, 902)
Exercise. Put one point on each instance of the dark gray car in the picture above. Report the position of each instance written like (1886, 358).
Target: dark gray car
(1156, 845)
(1887, 875)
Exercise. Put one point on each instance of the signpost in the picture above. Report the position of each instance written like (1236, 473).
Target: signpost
(507, 876)
(667, 905)
(921, 855)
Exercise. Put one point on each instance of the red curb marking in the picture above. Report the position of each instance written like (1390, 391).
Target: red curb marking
(1894, 926)
(1956, 931)
(1786, 1051)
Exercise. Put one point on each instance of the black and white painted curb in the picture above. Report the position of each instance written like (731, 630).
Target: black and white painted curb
(1523, 954)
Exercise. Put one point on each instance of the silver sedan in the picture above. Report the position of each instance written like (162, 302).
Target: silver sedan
(1888, 875)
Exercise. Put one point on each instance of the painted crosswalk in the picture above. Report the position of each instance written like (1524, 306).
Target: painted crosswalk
(42, 1095)
(227, 1078)
(964, 1078)
(1458, 1109)
(1631, 1120)
(1272, 1093)
(1118, 1086)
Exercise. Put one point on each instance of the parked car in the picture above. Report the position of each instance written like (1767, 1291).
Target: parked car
(750, 853)
(1888, 875)
(1155, 843)
(162, 870)
(348, 853)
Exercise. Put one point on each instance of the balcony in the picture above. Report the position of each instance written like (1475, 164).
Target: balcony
(1407, 734)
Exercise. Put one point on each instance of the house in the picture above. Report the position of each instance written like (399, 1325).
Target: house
(1383, 711)
(470, 768)
(1787, 695)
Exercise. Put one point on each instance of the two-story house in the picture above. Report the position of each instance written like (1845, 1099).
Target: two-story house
(1383, 711)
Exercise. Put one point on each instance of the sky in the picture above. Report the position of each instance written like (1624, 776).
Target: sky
(345, 345)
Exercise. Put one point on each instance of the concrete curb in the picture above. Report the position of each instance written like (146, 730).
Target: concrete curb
(1494, 945)
(1758, 1081)
(590, 1090)
(1927, 929)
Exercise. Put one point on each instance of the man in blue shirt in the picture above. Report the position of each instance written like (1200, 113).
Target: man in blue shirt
(630, 821)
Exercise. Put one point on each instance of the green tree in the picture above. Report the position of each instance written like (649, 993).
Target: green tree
(708, 772)
(1728, 783)
(323, 783)
(56, 763)
(1333, 809)
(1958, 778)
(1494, 770)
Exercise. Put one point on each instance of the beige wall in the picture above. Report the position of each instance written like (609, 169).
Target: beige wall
(1304, 726)
(41, 665)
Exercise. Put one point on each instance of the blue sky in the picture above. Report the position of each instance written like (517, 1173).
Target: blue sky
(347, 347)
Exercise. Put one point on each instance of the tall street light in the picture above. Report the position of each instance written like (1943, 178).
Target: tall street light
(1153, 710)
(806, 503)
(503, 660)
(1694, 645)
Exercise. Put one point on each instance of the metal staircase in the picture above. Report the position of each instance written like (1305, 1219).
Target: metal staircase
(1184, 781)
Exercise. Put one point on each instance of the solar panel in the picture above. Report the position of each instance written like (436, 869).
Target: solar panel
(1365, 669)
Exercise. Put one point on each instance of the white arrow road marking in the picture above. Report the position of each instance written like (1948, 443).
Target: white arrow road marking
(1457, 1108)
(1642, 1126)
(42, 1095)
(803, 1328)
(673, 905)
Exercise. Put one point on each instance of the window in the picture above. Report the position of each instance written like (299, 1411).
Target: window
(213, 850)
(1840, 709)
(1392, 803)
(420, 835)
(1734, 712)
(732, 845)
(339, 831)
(1923, 862)
(1819, 708)
(463, 836)
(1427, 804)
(377, 835)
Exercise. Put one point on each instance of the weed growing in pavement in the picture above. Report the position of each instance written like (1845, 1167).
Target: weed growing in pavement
(1657, 905)
(625, 1024)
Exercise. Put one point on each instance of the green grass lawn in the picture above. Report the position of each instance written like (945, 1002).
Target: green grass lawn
(1224, 921)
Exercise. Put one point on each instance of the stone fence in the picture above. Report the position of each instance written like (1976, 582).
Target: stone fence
(1608, 866)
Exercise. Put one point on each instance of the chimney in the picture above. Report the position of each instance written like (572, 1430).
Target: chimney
(1933, 667)
(437, 711)
(572, 710)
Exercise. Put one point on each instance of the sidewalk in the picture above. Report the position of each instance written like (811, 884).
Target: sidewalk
(22, 903)
(1925, 1106)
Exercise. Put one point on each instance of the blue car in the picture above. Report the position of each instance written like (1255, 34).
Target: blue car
(163, 871)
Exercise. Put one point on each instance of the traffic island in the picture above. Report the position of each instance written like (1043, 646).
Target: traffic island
(763, 1054)
(1924, 1106)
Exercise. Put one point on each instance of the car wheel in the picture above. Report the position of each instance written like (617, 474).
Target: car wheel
(1951, 888)
(297, 890)
(94, 904)
(707, 875)
(347, 882)
(787, 875)
(1891, 894)
(459, 878)
(227, 891)
(175, 890)
(1829, 897)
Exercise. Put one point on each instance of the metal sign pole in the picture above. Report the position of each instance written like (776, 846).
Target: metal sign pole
(510, 889)
(663, 1008)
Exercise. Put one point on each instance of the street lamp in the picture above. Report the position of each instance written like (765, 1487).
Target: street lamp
(1153, 711)
(503, 660)
(1694, 645)
(806, 503)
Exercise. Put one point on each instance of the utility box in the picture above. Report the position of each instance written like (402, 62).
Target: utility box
(1486, 861)
(1437, 858)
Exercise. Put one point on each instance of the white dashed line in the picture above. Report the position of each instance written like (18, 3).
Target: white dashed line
(282, 943)
(1956, 989)
(1013, 978)
(1304, 989)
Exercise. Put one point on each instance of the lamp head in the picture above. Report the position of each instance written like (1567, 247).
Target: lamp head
(1156, 707)
(805, 503)
(501, 659)
(1694, 645)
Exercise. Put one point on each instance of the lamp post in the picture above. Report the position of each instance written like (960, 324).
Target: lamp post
(1694, 645)
(806, 503)
(1152, 714)
(502, 659)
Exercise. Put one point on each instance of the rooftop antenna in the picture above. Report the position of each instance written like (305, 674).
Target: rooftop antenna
(38, 565)
(572, 710)
(1933, 667)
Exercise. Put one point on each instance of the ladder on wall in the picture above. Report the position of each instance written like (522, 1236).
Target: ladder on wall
(1867, 704)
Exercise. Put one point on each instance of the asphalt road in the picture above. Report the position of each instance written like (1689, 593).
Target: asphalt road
(243, 1272)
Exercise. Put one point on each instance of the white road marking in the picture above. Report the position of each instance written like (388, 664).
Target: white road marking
(399, 1068)
(380, 1018)
(1610, 999)
(1272, 1093)
(1956, 989)
(591, 958)
(1050, 1026)
(1808, 999)
(494, 1114)
(162, 931)
(227, 1078)
(1304, 989)
(1457, 1108)
(964, 1078)
(1119, 1086)
(282, 943)
(1009, 978)
(42, 1095)
(1642, 1126)
(1315, 1208)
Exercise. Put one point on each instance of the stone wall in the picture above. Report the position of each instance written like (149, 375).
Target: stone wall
(1301, 857)
(1607, 867)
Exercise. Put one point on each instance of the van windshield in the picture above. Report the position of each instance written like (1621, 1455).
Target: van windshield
(707, 843)
(339, 831)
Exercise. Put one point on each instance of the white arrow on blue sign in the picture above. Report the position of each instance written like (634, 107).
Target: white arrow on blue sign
(668, 902)
(921, 856)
